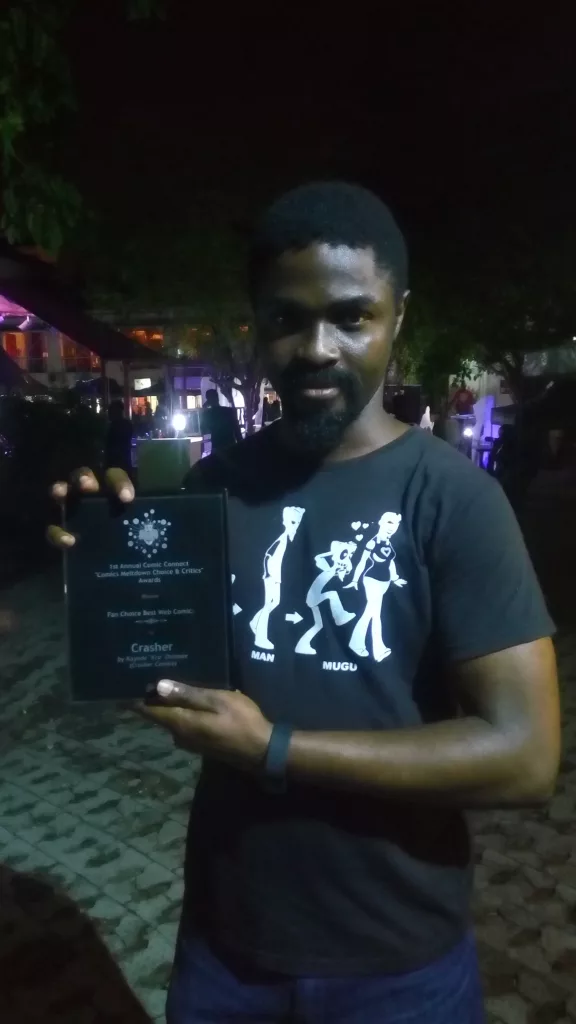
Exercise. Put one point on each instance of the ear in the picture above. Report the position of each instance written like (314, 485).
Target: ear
(401, 313)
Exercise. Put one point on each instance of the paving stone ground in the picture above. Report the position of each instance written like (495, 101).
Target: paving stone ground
(93, 809)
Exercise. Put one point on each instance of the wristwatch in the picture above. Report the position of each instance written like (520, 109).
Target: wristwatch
(276, 761)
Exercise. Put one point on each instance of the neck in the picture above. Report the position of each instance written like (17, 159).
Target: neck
(373, 429)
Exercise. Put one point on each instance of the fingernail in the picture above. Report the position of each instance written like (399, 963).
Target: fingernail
(125, 494)
(68, 540)
(85, 481)
(165, 687)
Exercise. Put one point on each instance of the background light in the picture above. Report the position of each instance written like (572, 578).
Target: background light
(179, 421)
(468, 432)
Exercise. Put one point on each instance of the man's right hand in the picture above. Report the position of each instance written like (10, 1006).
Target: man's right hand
(83, 481)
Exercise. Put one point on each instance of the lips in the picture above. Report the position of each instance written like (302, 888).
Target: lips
(320, 393)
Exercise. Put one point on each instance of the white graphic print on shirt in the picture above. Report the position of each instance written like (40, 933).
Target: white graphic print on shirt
(333, 564)
(236, 609)
(372, 568)
(377, 570)
(272, 576)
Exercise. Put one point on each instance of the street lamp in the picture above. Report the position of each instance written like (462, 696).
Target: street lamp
(179, 422)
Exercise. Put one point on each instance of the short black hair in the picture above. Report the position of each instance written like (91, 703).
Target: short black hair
(335, 213)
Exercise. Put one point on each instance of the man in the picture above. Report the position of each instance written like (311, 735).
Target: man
(462, 401)
(272, 576)
(334, 566)
(119, 435)
(272, 411)
(220, 422)
(328, 872)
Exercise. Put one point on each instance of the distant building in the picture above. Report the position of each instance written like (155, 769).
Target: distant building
(55, 343)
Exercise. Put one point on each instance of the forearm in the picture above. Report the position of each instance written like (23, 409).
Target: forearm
(466, 763)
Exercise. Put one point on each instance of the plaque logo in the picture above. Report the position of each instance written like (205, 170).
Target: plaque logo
(147, 535)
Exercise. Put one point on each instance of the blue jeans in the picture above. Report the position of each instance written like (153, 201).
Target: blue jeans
(206, 990)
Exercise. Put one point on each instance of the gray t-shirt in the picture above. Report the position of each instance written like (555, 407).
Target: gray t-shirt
(355, 586)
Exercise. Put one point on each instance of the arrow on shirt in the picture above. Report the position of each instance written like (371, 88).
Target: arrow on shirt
(294, 617)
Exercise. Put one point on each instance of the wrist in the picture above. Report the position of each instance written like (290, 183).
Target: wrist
(255, 754)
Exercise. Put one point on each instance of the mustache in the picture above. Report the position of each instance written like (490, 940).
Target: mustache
(305, 376)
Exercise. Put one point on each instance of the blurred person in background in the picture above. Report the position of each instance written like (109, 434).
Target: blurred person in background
(118, 448)
(220, 422)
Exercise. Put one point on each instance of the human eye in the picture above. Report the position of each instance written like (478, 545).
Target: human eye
(353, 317)
(355, 322)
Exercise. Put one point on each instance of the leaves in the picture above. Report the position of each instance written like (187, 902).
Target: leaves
(140, 9)
(489, 297)
(36, 89)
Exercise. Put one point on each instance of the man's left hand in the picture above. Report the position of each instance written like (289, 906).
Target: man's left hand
(221, 724)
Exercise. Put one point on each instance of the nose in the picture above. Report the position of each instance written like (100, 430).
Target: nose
(318, 345)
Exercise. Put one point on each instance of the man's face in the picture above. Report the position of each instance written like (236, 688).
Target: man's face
(327, 317)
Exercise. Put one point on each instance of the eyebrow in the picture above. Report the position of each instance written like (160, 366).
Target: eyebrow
(336, 305)
(354, 300)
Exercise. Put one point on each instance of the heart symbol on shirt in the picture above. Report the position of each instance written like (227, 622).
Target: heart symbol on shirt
(356, 526)
(359, 536)
(365, 526)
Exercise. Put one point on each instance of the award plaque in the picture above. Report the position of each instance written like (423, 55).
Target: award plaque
(148, 595)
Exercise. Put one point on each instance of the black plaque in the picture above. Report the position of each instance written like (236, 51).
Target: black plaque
(148, 595)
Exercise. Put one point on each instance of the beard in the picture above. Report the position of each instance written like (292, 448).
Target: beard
(316, 425)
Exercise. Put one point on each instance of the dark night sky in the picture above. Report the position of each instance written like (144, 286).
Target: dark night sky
(437, 118)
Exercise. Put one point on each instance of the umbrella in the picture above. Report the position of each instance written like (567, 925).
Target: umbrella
(95, 386)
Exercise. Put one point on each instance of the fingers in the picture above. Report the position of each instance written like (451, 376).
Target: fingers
(85, 481)
(82, 480)
(120, 484)
(176, 719)
(60, 538)
(59, 491)
(195, 698)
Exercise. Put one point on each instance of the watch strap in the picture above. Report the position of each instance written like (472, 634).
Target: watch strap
(276, 760)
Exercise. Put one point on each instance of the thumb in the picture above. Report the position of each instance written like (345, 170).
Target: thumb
(180, 695)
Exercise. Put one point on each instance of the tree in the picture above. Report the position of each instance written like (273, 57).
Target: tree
(491, 298)
(227, 347)
(192, 265)
(40, 205)
(433, 344)
(191, 272)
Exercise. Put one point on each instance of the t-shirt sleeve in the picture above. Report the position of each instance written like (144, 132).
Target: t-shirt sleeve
(485, 593)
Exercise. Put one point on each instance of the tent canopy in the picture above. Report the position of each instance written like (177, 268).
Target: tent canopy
(99, 338)
(12, 377)
(30, 285)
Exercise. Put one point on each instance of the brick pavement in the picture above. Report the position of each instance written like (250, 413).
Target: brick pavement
(93, 807)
